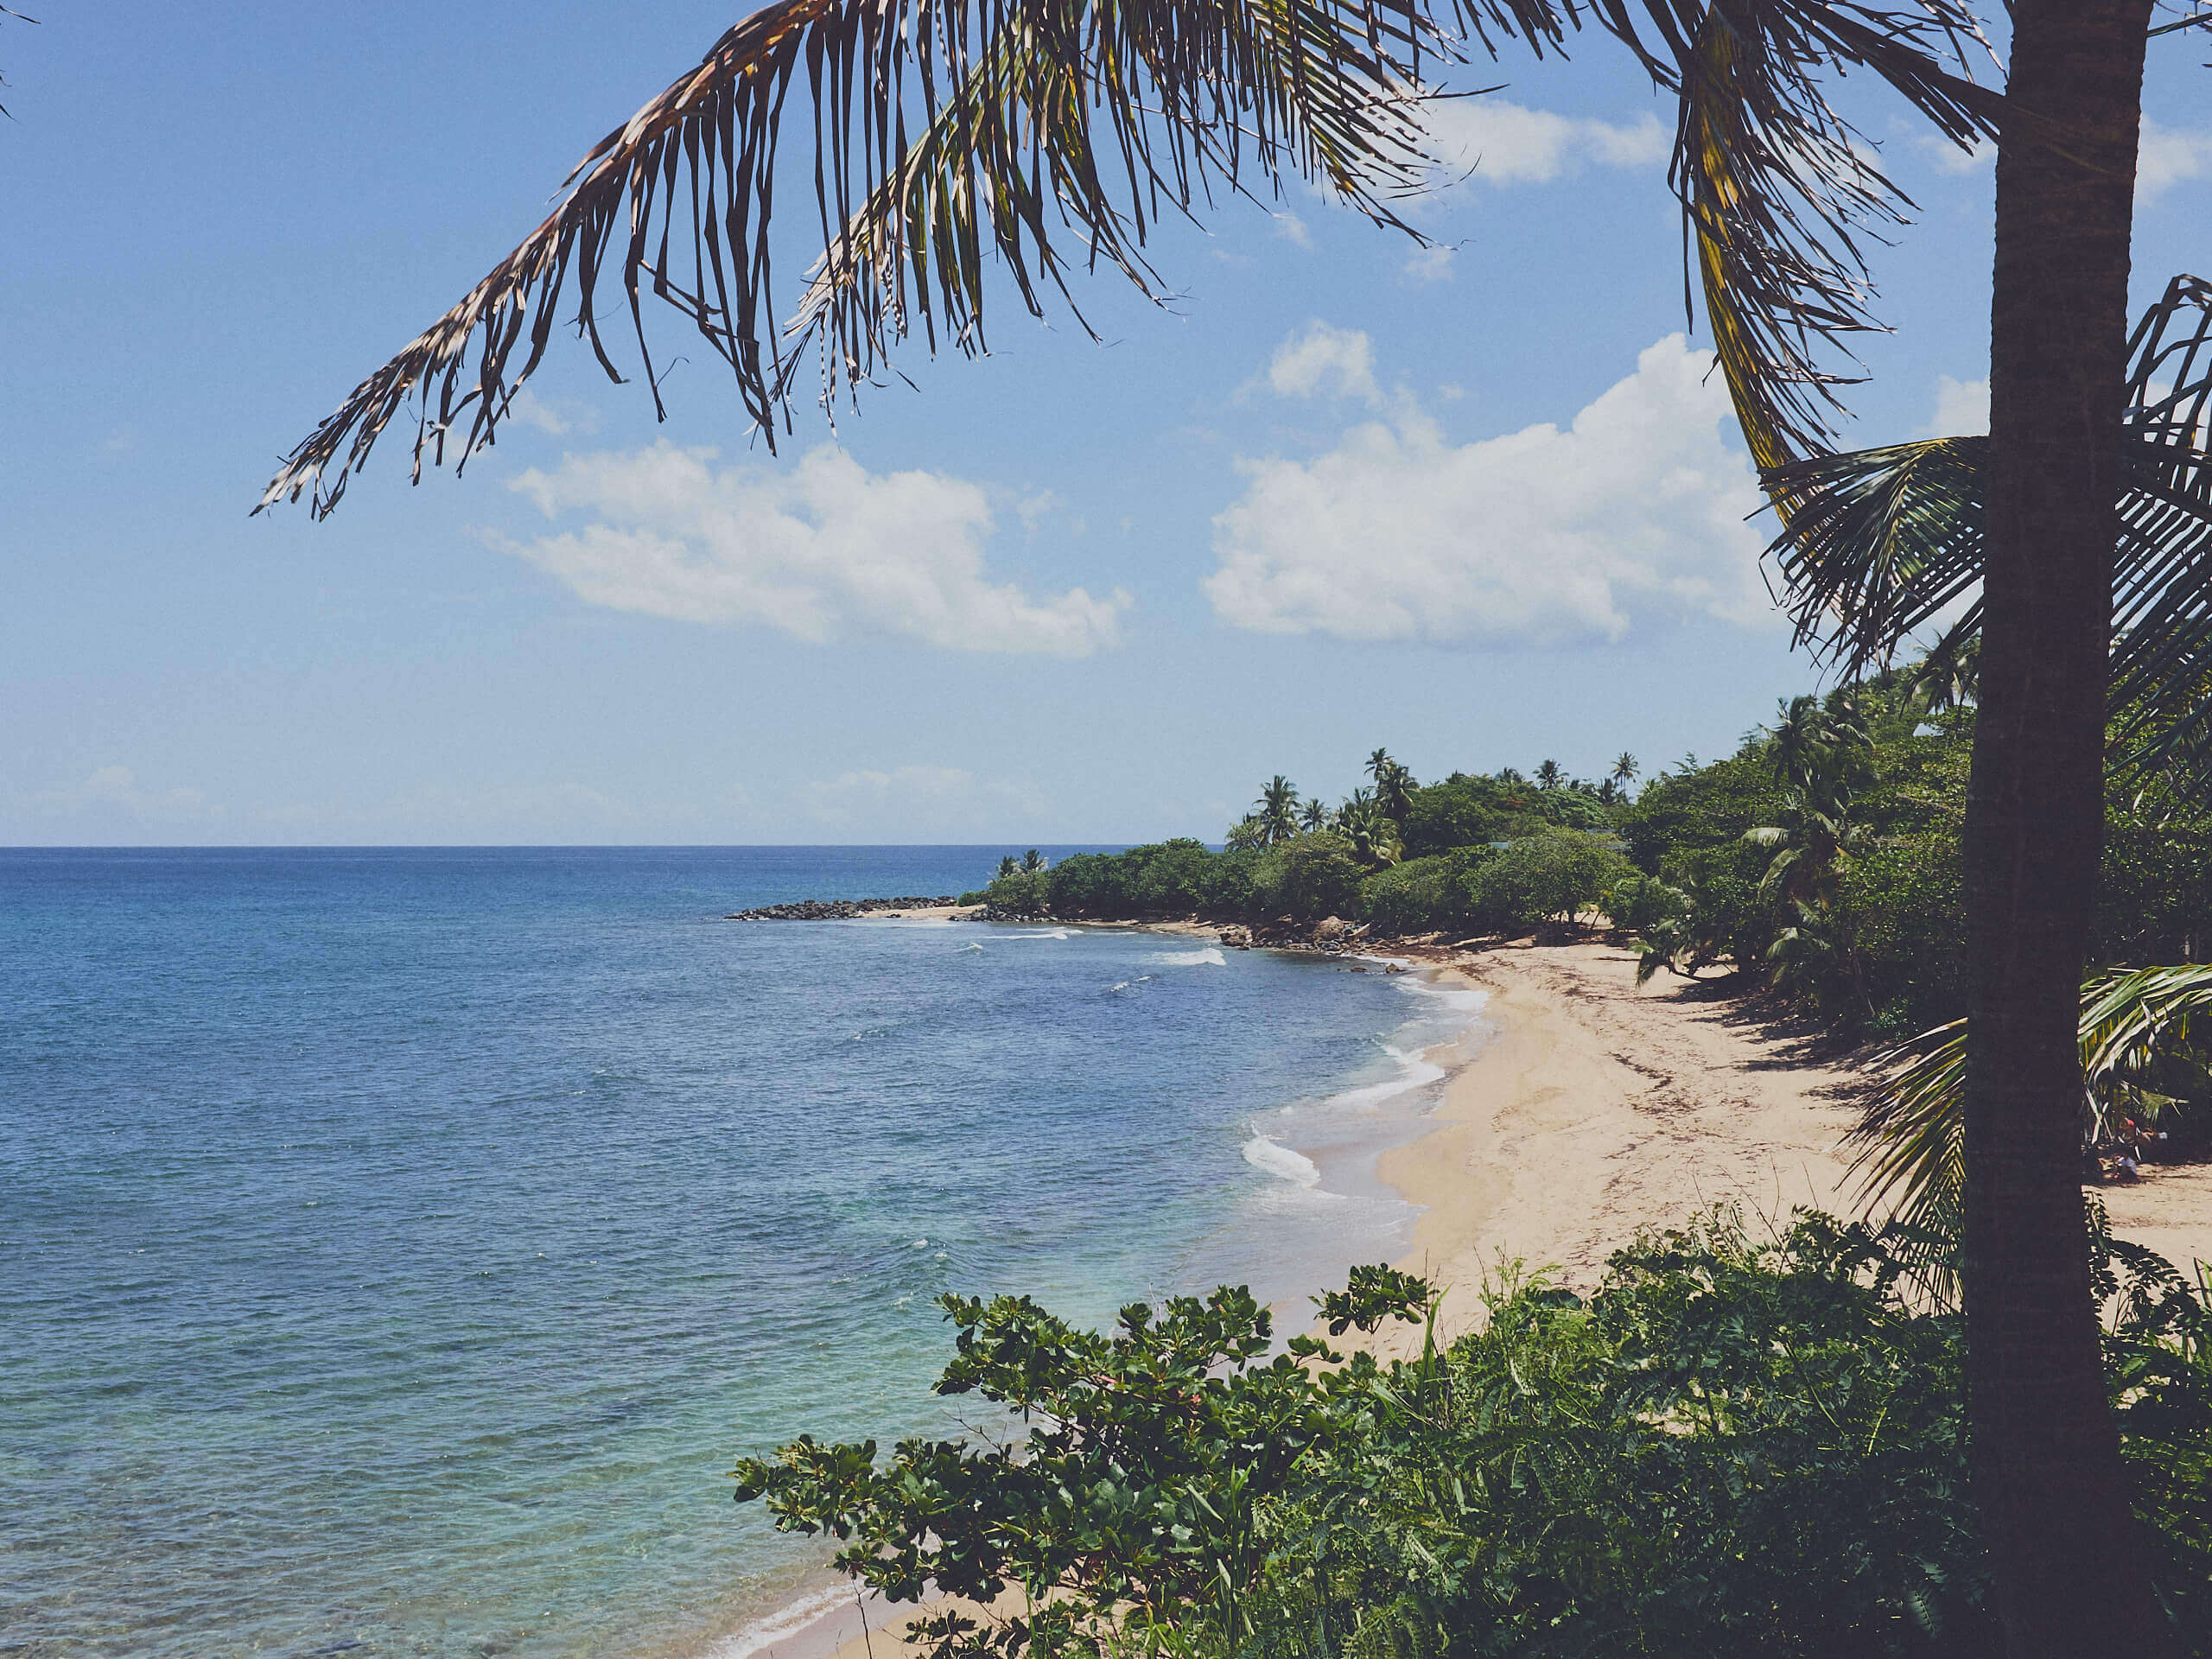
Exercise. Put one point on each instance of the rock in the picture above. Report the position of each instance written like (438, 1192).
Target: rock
(837, 910)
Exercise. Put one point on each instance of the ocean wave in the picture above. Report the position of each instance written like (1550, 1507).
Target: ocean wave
(1127, 984)
(1281, 1162)
(1209, 958)
(1048, 933)
(785, 1622)
(1415, 1071)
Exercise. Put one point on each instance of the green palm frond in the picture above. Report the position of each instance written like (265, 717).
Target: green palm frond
(946, 133)
(1913, 1134)
(1881, 543)
(951, 136)
(1776, 194)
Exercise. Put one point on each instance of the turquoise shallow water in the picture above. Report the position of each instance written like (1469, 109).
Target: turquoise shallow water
(396, 1246)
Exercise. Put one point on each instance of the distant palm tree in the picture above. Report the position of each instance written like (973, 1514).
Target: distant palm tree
(1379, 763)
(1624, 769)
(1313, 814)
(1394, 790)
(1008, 867)
(1374, 838)
(1032, 862)
(1278, 809)
(1548, 776)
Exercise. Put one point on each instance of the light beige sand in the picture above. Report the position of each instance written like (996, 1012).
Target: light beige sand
(1602, 1107)
(1599, 1108)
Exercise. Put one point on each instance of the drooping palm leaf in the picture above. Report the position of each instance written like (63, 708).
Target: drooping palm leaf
(1913, 1134)
(1882, 543)
(950, 134)
(976, 127)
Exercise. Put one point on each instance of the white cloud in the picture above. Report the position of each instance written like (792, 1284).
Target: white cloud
(555, 420)
(1506, 143)
(113, 791)
(2169, 157)
(821, 550)
(1430, 265)
(1291, 229)
(1339, 362)
(1635, 512)
(1950, 158)
(1961, 409)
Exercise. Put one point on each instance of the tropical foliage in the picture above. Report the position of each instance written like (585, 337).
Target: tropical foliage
(1739, 1444)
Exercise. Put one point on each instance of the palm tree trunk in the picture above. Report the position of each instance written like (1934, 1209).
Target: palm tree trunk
(2048, 1472)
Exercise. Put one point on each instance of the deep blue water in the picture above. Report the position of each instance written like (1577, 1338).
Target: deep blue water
(397, 1246)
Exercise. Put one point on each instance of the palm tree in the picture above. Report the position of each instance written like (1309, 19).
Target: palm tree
(1008, 867)
(1277, 810)
(1032, 862)
(1548, 776)
(1625, 770)
(1394, 791)
(1313, 816)
(1027, 117)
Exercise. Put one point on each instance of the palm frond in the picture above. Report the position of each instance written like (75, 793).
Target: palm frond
(1881, 543)
(944, 131)
(8, 12)
(1777, 189)
(1912, 1137)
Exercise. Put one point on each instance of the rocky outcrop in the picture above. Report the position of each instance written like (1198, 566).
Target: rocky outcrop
(836, 910)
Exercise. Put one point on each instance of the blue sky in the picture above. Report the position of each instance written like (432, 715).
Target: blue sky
(1480, 505)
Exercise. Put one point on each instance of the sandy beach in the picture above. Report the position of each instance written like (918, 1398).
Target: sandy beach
(1600, 1108)
(1584, 1108)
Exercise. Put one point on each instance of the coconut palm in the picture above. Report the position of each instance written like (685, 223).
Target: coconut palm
(1374, 838)
(1625, 770)
(1277, 810)
(1008, 867)
(1548, 776)
(956, 133)
(1032, 862)
(1313, 816)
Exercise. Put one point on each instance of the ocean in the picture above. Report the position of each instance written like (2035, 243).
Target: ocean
(397, 1246)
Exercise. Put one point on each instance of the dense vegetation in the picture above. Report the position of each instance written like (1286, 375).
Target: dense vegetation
(1735, 1447)
(1822, 859)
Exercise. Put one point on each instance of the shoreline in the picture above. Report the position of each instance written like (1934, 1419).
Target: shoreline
(1591, 1109)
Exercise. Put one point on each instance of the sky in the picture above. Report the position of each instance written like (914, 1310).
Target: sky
(1481, 502)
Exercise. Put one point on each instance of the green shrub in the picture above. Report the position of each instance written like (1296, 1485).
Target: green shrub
(1738, 1444)
(1308, 877)
(1640, 903)
(1423, 895)
(1025, 892)
(1549, 876)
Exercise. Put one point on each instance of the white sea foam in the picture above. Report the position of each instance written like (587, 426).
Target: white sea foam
(781, 1625)
(1281, 1162)
(1209, 958)
(1050, 933)
(1415, 1071)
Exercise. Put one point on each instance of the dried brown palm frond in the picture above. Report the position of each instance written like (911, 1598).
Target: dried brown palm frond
(975, 129)
(10, 12)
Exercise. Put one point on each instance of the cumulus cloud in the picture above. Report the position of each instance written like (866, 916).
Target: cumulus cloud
(1506, 143)
(1635, 511)
(822, 549)
(1952, 158)
(1339, 362)
(1961, 409)
(2169, 157)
